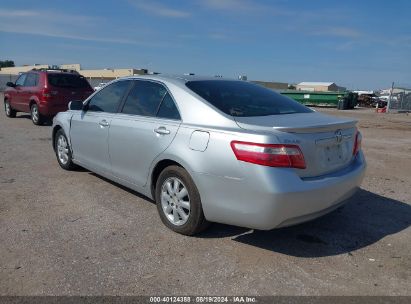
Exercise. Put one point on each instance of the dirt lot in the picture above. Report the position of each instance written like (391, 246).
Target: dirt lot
(74, 233)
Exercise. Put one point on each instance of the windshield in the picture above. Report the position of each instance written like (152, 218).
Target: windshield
(244, 99)
(67, 81)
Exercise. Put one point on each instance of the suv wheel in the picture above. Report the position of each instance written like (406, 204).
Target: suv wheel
(9, 111)
(63, 151)
(36, 117)
(178, 202)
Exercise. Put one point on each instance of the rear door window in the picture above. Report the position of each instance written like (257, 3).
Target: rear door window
(72, 81)
(168, 109)
(108, 98)
(144, 98)
(32, 80)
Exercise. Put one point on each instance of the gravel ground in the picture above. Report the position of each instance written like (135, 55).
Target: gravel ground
(75, 233)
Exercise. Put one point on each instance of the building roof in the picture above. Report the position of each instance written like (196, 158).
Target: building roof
(326, 84)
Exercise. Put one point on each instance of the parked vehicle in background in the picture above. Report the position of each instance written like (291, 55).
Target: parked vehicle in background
(99, 86)
(379, 103)
(348, 102)
(43, 93)
(213, 150)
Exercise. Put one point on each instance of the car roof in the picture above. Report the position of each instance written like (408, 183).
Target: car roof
(54, 71)
(176, 79)
(205, 113)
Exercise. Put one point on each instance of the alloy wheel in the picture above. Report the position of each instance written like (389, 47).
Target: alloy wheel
(35, 114)
(7, 108)
(62, 150)
(175, 201)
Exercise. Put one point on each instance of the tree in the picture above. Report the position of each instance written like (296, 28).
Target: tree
(6, 63)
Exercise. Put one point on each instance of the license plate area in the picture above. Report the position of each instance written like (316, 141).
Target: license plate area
(333, 154)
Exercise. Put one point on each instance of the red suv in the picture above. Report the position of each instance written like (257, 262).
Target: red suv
(44, 93)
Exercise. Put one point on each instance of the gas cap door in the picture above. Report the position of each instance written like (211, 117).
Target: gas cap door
(199, 140)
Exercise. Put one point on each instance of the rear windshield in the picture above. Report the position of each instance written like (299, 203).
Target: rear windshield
(244, 99)
(67, 81)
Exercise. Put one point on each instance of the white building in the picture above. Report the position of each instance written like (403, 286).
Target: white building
(319, 87)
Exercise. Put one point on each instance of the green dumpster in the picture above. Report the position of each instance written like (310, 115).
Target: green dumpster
(329, 99)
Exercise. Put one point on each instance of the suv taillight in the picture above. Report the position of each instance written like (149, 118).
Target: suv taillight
(273, 155)
(46, 93)
(357, 143)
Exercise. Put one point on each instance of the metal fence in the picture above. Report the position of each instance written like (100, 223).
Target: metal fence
(400, 100)
(6, 78)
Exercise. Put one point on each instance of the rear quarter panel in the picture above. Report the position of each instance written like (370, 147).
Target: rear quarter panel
(217, 163)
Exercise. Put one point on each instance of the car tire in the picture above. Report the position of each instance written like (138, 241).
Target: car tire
(182, 213)
(36, 117)
(9, 110)
(63, 151)
(346, 104)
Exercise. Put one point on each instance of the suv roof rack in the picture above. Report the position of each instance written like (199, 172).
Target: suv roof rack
(55, 70)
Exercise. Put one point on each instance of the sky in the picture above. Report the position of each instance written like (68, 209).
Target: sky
(361, 44)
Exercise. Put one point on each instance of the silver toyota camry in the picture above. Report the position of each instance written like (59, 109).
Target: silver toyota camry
(213, 150)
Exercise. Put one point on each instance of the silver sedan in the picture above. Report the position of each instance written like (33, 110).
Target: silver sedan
(213, 150)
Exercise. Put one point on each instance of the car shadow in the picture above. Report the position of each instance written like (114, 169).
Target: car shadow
(138, 194)
(23, 116)
(48, 122)
(364, 220)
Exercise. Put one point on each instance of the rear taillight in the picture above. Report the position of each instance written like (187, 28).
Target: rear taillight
(357, 143)
(47, 93)
(273, 155)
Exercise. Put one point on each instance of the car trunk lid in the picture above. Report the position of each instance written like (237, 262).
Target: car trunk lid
(327, 142)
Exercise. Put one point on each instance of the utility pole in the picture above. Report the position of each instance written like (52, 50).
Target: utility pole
(389, 98)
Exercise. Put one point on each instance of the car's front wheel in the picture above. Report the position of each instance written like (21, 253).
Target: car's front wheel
(63, 151)
(9, 110)
(36, 117)
(178, 202)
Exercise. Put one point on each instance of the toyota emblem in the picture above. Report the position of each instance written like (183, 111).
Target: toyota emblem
(338, 136)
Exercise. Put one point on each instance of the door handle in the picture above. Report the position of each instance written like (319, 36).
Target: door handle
(104, 123)
(162, 131)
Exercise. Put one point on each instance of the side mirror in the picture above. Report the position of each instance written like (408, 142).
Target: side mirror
(10, 84)
(75, 105)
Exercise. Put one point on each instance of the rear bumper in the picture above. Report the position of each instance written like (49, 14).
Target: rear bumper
(49, 109)
(276, 197)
